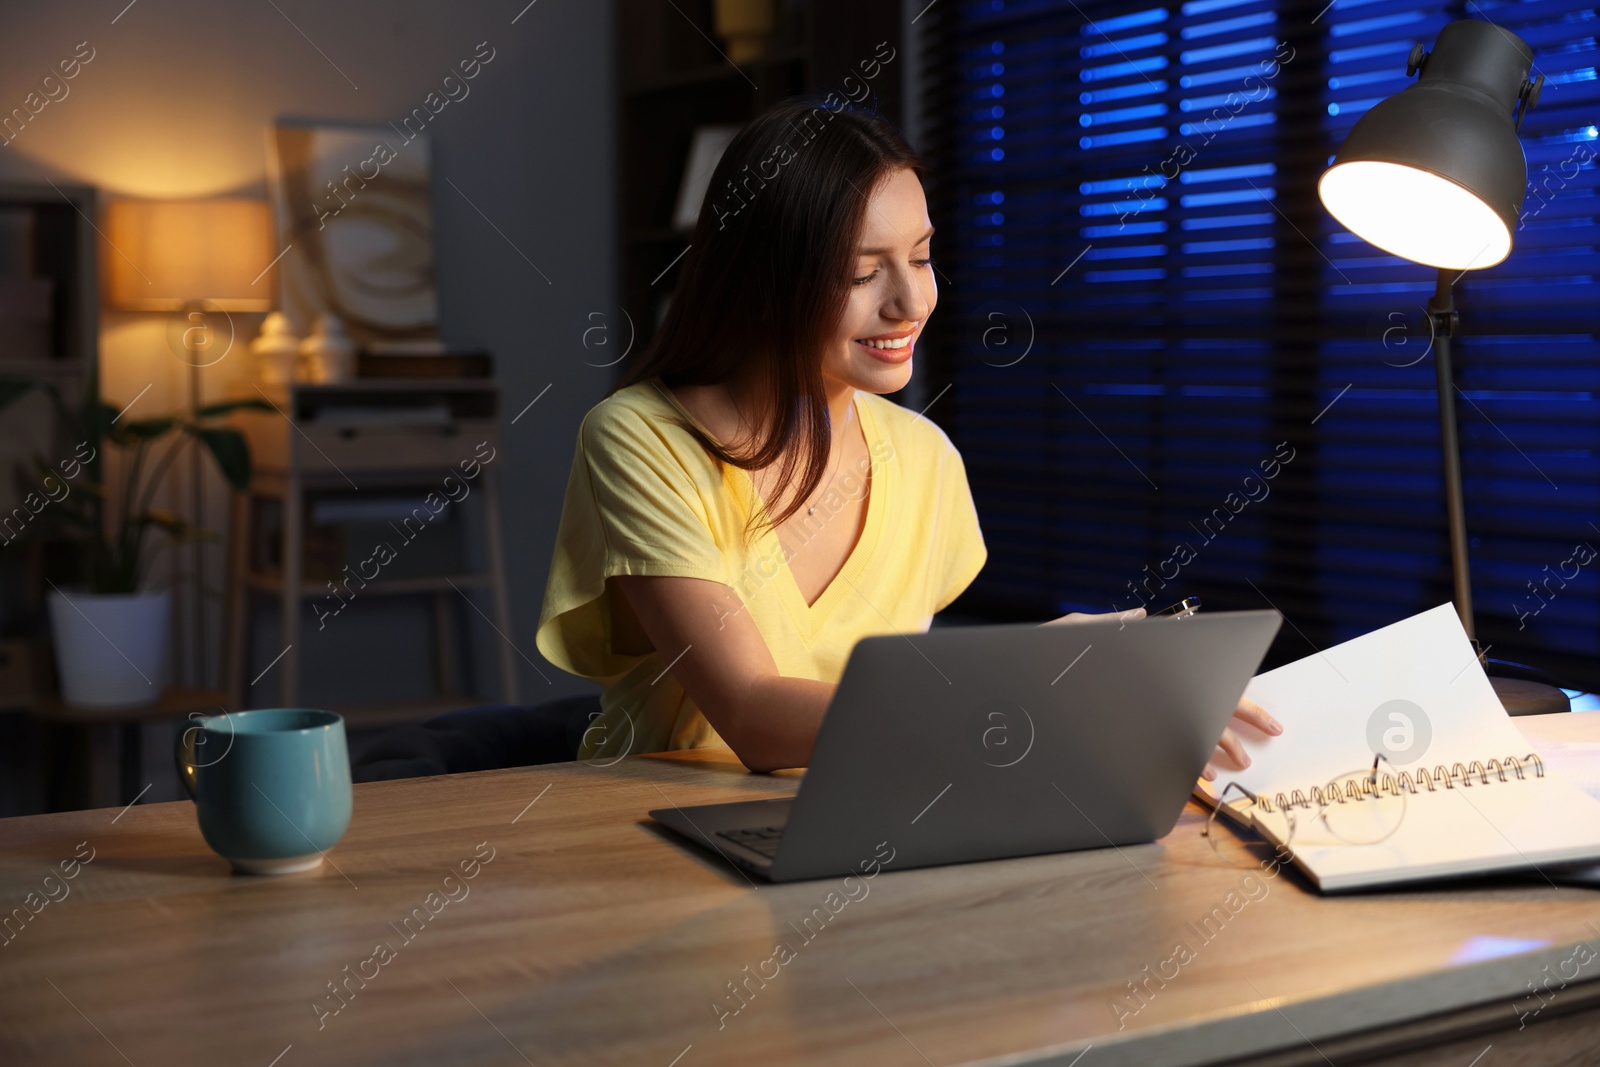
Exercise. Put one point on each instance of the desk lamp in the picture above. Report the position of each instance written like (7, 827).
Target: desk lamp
(1435, 174)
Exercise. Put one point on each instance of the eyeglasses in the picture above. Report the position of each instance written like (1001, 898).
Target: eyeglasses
(1359, 808)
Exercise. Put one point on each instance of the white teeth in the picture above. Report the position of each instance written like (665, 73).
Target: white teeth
(897, 343)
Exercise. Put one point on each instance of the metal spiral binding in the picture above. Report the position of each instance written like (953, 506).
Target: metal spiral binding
(1440, 777)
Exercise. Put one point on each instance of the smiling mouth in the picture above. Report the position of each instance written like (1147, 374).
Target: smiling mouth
(895, 351)
(892, 347)
(886, 344)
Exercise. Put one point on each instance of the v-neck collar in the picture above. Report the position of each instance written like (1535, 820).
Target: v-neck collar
(811, 618)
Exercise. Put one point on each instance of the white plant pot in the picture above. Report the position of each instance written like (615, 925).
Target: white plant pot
(111, 650)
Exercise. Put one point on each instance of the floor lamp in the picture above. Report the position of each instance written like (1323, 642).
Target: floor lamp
(199, 259)
(1436, 174)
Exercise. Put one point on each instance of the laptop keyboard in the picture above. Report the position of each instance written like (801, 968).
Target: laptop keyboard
(762, 839)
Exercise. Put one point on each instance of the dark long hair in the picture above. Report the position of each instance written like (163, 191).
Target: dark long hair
(767, 277)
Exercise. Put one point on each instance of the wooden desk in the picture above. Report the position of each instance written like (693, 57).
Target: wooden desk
(592, 938)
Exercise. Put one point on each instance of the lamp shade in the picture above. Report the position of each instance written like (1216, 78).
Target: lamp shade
(168, 253)
(1435, 173)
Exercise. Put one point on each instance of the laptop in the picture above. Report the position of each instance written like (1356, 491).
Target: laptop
(982, 743)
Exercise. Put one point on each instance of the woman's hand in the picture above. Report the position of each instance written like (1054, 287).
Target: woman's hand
(1229, 753)
(1083, 616)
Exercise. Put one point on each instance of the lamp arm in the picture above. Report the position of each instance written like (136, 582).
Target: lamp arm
(1442, 312)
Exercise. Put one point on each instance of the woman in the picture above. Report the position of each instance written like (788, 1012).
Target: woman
(745, 505)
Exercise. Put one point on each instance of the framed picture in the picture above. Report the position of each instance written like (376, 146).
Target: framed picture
(353, 205)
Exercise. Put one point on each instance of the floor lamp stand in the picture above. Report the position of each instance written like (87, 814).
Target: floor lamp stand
(196, 505)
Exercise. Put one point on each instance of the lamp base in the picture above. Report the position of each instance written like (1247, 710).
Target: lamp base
(1523, 697)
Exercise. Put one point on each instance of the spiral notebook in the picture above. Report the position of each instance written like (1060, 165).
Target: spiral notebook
(1478, 799)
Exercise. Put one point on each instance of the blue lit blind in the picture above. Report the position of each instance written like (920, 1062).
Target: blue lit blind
(1143, 298)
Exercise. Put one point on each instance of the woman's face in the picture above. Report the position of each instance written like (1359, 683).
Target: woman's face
(892, 291)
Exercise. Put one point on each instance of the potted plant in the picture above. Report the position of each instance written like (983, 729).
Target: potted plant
(110, 633)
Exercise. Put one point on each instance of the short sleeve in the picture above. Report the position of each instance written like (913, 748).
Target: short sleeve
(637, 502)
(958, 549)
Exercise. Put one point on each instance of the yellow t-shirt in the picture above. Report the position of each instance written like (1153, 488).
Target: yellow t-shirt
(644, 497)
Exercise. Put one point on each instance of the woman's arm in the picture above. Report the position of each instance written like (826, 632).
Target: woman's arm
(722, 661)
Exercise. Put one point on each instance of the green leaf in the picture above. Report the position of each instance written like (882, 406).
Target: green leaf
(88, 488)
(178, 528)
(42, 468)
(97, 416)
(212, 410)
(164, 520)
(231, 451)
(148, 429)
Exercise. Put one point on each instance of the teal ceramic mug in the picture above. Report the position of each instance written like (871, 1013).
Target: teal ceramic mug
(271, 788)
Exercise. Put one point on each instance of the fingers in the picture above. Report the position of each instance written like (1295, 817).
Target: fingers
(1218, 762)
(1254, 714)
(1130, 615)
(1232, 748)
(1230, 752)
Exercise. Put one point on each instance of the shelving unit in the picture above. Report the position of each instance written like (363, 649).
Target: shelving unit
(61, 246)
(63, 250)
(675, 79)
(312, 448)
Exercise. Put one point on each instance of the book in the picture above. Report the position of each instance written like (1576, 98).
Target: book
(1473, 796)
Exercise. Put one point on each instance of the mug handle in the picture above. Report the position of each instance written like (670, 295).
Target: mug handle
(184, 754)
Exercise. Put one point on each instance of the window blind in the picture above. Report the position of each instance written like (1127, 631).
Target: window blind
(1171, 373)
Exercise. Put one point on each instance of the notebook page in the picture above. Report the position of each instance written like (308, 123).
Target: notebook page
(1413, 689)
(1576, 761)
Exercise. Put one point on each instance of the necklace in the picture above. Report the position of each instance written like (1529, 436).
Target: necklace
(811, 510)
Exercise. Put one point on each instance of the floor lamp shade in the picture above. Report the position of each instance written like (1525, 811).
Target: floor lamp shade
(192, 256)
(169, 254)
(1436, 174)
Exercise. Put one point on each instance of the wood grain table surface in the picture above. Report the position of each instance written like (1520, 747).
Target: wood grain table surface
(538, 916)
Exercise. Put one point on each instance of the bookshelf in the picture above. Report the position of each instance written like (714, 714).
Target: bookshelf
(675, 79)
(49, 331)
